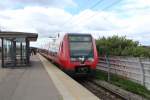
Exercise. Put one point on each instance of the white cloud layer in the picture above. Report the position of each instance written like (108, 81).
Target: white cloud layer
(13, 4)
(49, 20)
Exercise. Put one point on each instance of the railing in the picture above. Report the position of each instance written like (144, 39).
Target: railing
(133, 68)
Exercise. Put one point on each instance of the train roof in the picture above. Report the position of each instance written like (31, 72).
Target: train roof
(78, 34)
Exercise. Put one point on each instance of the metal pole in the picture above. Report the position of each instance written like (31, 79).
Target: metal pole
(27, 51)
(2, 52)
(143, 72)
(108, 63)
(15, 54)
(21, 53)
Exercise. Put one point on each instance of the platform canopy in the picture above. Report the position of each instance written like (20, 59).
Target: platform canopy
(29, 36)
(15, 48)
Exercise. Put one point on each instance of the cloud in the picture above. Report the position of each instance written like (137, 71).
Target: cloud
(15, 4)
(49, 20)
(39, 19)
(134, 4)
(130, 7)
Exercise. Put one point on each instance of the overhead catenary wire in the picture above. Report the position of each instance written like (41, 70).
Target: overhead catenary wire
(93, 6)
(93, 15)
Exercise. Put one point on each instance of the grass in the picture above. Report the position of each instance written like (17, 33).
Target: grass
(124, 83)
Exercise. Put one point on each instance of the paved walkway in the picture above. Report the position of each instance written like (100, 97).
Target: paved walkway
(30, 83)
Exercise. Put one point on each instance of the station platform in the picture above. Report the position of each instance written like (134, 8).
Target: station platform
(27, 83)
(40, 81)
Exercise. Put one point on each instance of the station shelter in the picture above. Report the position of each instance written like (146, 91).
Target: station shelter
(15, 48)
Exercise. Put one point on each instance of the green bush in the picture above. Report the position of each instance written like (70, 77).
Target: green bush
(120, 46)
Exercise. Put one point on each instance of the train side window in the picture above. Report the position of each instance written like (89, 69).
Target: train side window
(62, 47)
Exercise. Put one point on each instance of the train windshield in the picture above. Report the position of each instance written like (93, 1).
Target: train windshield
(81, 46)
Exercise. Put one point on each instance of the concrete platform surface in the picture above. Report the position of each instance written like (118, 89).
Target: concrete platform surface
(68, 88)
(28, 83)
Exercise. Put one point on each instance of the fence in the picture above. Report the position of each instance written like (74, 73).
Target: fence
(135, 69)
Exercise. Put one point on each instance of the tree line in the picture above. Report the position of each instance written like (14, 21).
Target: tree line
(121, 46)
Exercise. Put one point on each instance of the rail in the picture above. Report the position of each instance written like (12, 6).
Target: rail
(101, 91)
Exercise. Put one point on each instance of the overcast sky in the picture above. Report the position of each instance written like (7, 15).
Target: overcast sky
(129, 18)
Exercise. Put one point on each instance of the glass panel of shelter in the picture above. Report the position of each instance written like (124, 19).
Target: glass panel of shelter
(8, 51)
(14, 50)
(20, 51)
(23, 53)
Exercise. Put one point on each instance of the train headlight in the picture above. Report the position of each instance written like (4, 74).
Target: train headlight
(73, 59)
(91, 59)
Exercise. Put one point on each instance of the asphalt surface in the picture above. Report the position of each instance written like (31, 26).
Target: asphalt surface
(27, 83)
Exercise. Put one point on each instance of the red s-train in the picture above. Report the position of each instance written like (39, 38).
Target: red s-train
(76, 54)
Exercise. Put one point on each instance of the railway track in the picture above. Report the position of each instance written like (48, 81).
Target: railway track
(101, 92)
(104, 92)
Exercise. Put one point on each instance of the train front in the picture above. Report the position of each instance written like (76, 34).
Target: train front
(82, 54)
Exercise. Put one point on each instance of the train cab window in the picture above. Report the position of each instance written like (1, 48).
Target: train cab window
(81, 45)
